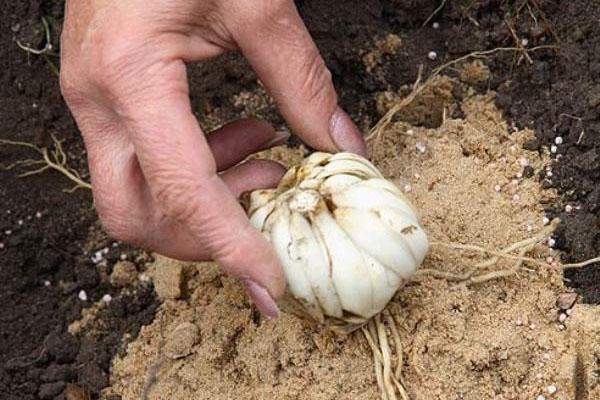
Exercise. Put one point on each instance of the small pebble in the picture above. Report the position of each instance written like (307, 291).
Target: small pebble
(551, 242)
(539, 376)
(549, 173)
(436, 25)
(516, 197)
(524, 162)
(407, 188)
(524, 42)
(529, 228)
(20, 222)
(562, 317)
(568, 208)
(561, 327)
(551, 389)
(432, 55)
(519, 322)
(540, 397)
(566, 301)
(107, 298)
(1, 245)
(553, 149)
(410, 132)
(421, 147)
(497, 188)
(47, 283)
(115, 244)
(82, 295)
(532, 326)
(558, 140)
(144, 277)
(546, 356)
(549, 260)
(569, 311)
(546, 220)
(105, 250)
(7, 232)
(38, 215)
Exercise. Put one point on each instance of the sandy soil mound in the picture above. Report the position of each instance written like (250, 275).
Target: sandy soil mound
(501, 339)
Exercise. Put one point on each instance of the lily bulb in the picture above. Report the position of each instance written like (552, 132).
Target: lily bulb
(346, 237)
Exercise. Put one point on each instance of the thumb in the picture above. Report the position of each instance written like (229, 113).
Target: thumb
(287, 61)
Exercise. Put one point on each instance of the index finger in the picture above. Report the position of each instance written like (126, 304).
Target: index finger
(281, 51)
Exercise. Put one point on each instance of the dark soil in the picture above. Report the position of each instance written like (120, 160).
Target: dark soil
(555, 94)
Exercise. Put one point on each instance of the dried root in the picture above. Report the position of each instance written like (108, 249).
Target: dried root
(389, 379)
(521, 248)
(55, 159)
(418, 87)
(45, 51)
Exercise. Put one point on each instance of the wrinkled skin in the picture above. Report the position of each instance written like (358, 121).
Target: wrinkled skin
(158, 181)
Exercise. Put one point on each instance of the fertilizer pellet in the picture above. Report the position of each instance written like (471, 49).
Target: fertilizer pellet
(407, 188)
(553, 149)
(82, 295)
(432, 55)
(549, 173)
(551, 242)
(540, 397)
(123, 257)
(539, 376)
(546, 220)
(546, 356)
(568, 208)
(421, 147)
(516, 197)
(524, 42)
(529, 228)
(558, 140)
(436, 25)
(47, 283)
(106, 298)
(532, 326)
(524, 162)
(1, 245)
(519, 322)
(38, 215)
(562, 317)
(7, 232)
(497, 188)
(20, 222)
(551, 389)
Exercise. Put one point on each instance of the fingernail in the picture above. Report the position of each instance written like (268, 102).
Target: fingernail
(345, 134)
(261, 298)
(280, 138)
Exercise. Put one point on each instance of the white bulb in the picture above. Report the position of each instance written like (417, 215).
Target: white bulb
(346, 237)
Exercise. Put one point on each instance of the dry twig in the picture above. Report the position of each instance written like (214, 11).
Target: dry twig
(55, 159)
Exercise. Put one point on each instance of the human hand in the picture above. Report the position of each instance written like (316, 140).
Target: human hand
(158, 181)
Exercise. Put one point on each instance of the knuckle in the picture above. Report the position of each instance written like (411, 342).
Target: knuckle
(118, 226)
(175, 198)
(316, 83)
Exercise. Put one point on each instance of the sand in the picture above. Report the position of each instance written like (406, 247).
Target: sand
(495, 340)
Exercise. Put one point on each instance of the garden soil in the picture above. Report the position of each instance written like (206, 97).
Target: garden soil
(50, 338)
(496, 340)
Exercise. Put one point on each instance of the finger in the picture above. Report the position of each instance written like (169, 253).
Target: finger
(281, 51)
(252, 175)
(178, 166)
(235, 141)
